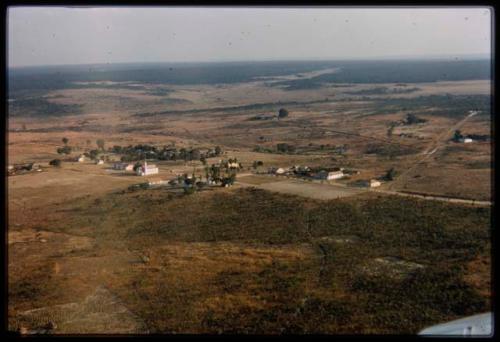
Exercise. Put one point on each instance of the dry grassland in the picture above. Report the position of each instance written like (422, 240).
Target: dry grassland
(244, 260)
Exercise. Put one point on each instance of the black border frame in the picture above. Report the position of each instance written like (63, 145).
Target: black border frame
(247, 3)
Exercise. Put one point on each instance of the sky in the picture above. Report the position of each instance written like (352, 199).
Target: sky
(75, 35)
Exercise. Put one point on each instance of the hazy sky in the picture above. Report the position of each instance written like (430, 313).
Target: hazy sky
(65, 35)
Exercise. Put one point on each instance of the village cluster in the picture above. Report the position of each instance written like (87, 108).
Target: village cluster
(134, 160)
(221, 173)
(336, 173)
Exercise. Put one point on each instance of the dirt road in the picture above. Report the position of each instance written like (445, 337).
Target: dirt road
(431, 149)
(435, 198)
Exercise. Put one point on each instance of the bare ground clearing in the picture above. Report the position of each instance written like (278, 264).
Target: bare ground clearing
(305, 189)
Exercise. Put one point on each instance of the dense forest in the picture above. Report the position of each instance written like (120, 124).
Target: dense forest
(396, 72)
(56, 77)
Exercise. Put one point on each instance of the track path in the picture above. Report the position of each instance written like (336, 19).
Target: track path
(432, 148)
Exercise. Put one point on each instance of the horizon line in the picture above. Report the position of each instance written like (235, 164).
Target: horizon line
(306, 59)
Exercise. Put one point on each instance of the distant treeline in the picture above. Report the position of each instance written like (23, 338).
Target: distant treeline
(57, 77)
(443, 105)
(382, 91)
(125, 86)
(390, 151)
(253, 106)
(396, 72)
(142, 151)
(40, 106)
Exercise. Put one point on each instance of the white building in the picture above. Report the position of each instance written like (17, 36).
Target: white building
(277, 170)
(233, 165)
(373, 183)
(330, 175)
(466, 140)
(81, 158)
(100, 162)
(146, 170)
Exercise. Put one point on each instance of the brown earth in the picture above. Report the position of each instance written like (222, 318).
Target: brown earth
(67, 262)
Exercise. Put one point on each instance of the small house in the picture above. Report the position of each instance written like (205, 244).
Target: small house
(100, 162)
(81, 158)
(277, 170)
(466, 140)
(330, 175)
(233, 165)
(373, 183)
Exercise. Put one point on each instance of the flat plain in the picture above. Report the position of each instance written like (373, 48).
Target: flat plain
(92, 254)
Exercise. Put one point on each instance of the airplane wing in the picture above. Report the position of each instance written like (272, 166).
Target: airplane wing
(477, 325)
